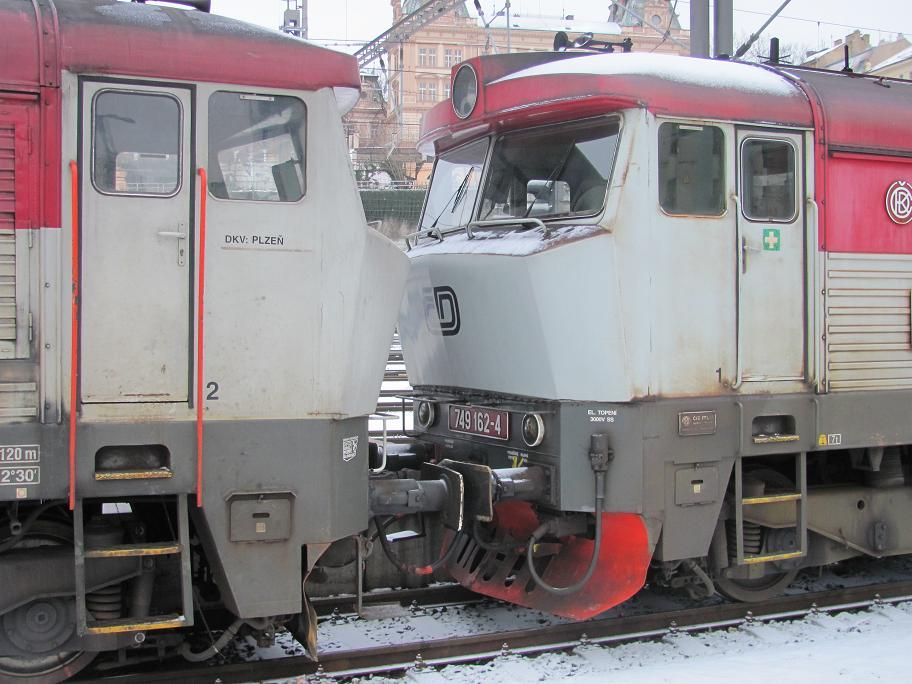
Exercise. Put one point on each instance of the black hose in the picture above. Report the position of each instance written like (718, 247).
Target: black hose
(9, 543)
(546, 528)
(505, 545)
(187, 652)
(409, 569)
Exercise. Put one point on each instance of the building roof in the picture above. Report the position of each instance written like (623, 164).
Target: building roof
(555, 24)
(409, 6)
(900, 56)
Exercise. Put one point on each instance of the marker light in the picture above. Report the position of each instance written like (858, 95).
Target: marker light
(425, 414)
(533, 429)
(465, 91)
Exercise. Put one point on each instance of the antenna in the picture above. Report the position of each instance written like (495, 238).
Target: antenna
(585, 41)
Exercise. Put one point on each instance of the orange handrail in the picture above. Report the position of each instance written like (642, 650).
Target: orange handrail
(200, 300)
(74, 327)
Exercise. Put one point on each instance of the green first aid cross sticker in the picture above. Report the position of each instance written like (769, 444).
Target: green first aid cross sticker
(771, 240)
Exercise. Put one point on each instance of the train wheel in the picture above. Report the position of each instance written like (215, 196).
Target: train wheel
(774, 584)
(754, 590)
(42, 626)
(43, 669)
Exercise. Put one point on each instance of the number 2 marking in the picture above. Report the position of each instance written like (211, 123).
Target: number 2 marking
(213, 388)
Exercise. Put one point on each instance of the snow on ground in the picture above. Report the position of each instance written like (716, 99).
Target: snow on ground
(870, 646)
(861, 647)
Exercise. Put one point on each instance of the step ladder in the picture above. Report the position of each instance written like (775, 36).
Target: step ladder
(86, 623)
(799, 497)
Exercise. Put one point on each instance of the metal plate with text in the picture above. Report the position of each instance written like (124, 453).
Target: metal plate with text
(471, 420)
(697, 423)
(19, 465)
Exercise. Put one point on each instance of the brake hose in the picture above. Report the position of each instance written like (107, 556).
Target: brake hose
(544, 529)
(409, 569)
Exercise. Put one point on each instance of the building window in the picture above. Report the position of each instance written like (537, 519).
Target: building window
(427, 56)
(452, 56)
(446, 90)
(427, 91)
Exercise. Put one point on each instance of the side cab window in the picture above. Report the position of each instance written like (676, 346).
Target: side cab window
(691, 169)
(256, 147)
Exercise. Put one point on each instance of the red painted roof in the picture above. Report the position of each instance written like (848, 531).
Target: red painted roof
(110, 37)
(861, 111)
(858, 111)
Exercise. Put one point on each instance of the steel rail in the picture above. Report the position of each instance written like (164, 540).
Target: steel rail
(438, 594)
(482, 647)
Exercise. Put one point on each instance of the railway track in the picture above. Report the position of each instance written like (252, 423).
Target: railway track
(478, 648)
(437, 594)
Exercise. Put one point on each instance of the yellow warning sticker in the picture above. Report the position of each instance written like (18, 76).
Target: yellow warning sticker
(822, 440)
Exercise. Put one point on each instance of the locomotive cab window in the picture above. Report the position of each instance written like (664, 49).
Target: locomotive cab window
(454, 186)
(551, 172)
(136, 143)
(768, 180)
(691, 169)
(256, 147)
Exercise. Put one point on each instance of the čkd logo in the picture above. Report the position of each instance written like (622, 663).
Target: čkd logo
(446, 307)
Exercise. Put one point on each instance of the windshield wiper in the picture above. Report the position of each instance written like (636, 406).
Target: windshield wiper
(456, 198)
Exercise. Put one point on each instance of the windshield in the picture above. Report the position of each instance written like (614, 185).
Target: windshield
(551, 172)
(454, 187)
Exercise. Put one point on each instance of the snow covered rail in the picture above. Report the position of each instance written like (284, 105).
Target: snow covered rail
(554, 637)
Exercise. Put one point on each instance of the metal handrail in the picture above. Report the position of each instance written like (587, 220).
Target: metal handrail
(506, 223)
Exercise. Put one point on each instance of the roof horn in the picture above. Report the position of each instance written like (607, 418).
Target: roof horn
(201, 5)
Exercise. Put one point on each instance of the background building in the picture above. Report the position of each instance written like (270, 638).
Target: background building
(889, 58)
(415, 75)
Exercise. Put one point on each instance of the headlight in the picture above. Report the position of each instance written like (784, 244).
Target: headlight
(533, 429)
(425, 414)
(465, 91)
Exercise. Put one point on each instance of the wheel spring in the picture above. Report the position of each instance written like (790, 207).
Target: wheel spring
(105, 603)
(753, 538)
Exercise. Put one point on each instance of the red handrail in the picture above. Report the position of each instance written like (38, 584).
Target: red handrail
(74, 326)
(200, 300)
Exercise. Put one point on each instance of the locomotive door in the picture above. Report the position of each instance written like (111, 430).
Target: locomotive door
(137, 195)
(771, 257)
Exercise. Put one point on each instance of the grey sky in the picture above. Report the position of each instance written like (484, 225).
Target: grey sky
(811, 23)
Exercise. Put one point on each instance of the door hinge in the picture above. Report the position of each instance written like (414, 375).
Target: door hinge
(31, 327)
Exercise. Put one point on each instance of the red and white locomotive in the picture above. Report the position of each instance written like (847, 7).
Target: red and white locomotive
(675, 293)
(194, 320)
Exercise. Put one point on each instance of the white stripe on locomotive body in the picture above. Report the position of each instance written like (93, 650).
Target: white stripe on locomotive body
(292, 330)
(630, 304)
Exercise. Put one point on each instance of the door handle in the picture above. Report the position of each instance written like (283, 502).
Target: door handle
(180, 235)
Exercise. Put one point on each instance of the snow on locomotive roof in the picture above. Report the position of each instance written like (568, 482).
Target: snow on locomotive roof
(686, 71)
(134, 39)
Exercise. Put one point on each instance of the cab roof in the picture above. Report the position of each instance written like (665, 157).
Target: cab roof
(529, 89)
(152, 41)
